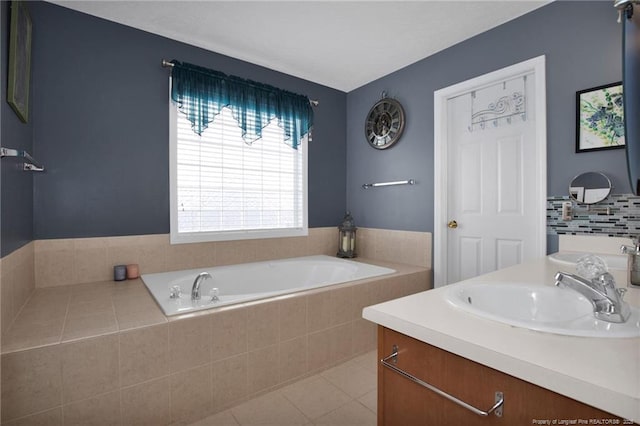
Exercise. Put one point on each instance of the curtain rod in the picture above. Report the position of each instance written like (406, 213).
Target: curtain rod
(167, 64)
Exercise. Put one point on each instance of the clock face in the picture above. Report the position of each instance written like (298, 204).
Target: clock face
(384, 124)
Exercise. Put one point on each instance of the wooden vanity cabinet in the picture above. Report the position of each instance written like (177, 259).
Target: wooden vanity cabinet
(402, 402)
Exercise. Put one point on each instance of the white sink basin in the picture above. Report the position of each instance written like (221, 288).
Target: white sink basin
(543, 308)
(570, 258)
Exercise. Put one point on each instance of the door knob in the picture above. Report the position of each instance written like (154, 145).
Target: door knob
(452, 224)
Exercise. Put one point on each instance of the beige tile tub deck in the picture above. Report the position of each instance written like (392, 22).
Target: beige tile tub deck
(81, 311)
(80, 350)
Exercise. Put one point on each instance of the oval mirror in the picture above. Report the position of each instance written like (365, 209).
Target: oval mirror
(590, 187)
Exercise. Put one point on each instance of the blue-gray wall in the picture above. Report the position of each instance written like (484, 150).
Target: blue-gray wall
(99, 122)
(101, 127)
(16, 191)
(582, 44)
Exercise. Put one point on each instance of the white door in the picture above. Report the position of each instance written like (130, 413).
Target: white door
(490, 208)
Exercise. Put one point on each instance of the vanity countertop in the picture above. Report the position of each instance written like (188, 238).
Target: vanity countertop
(601, 372)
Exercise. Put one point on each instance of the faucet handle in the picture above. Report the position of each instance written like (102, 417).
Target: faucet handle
(621, 292)
(591, 266)
(214, 293)
(633, 249)
(175, 292)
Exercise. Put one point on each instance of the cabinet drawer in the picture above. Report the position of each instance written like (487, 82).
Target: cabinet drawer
(404, 402)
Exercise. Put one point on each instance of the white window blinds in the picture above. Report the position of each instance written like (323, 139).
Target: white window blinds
(226, 189)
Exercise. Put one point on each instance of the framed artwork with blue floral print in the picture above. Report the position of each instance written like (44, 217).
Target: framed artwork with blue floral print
(599, 118)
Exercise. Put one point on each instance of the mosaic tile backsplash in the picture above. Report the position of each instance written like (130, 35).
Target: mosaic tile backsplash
(623, 219)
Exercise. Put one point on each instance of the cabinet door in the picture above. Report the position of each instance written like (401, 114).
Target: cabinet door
(402, 402)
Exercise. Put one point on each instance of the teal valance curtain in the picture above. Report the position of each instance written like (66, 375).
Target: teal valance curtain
(201, 93)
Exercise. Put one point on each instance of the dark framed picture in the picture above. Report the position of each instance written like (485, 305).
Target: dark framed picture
(19, 59)
(599, 118)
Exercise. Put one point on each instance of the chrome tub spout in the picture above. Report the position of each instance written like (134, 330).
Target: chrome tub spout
(195, 289)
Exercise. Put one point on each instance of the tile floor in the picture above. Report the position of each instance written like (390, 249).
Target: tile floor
(343, 395)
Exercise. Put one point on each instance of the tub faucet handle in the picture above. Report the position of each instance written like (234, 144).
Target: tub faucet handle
(214, 294)
(175, 292)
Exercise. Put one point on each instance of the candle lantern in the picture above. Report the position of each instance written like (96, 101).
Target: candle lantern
(347, 237)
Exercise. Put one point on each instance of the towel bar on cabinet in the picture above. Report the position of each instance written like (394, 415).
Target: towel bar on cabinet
(499, 396)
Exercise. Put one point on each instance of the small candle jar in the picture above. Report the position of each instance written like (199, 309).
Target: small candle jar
(119, 272)
(132, 271)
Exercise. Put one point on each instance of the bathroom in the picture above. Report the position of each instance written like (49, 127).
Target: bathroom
(97, 123)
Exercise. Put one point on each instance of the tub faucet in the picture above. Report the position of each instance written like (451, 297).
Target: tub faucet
(634, 261)
(602, 293)
(195, 289)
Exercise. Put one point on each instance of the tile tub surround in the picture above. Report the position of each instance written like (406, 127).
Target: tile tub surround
(410, 247)
(82, 260)
(17, 283)
(113, 351)
(0, 330)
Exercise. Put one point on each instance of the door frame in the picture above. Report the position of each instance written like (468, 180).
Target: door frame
(440, 169)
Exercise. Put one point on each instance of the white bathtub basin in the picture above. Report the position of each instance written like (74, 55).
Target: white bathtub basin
(257, 280)
(570, 258)
(543, 308)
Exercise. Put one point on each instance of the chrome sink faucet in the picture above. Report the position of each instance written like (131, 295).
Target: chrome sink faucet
(195, 289)
(602, 293)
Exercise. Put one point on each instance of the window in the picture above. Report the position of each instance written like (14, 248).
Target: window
(224, 189)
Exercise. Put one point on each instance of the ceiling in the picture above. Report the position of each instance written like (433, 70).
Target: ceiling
(340, 44)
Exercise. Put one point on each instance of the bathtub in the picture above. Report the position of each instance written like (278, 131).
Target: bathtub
(253, 281)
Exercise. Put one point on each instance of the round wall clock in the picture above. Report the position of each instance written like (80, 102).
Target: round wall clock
(384, 124)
